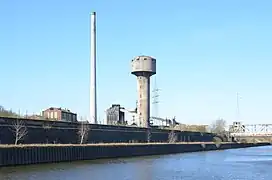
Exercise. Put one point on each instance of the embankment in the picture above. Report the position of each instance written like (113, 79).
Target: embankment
(11, 155)
(59, 132)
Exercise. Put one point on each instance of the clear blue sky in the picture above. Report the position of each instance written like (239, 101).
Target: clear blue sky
(206, 51)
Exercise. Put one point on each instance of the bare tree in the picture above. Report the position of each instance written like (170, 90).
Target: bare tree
(172, 136)
(19, 129)
(148, 135)
(218, 126)
(83, 131)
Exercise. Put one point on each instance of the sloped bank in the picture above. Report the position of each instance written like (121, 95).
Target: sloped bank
(34, 154)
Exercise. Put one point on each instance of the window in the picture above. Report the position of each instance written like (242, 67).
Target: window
(55, 115)
(68, 117)
(52, 115)
(63, 116)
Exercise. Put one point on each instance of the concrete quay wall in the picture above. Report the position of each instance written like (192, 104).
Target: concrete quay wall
(34, 154)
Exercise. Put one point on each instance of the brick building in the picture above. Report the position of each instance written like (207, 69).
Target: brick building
(59, 114)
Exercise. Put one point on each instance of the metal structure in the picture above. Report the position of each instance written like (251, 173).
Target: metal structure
(238, 97)
(166, 122)
(93, 100)
(132, 112)
(155, 102)
(250, 130)
(143, 67)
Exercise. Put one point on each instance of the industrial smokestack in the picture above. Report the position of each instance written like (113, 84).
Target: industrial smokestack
(93, 103)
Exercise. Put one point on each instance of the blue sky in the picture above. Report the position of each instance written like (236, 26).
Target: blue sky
(206, 52)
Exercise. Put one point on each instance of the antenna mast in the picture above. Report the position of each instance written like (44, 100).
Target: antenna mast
(238, 106)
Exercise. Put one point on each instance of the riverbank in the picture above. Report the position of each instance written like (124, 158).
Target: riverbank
(11, 155)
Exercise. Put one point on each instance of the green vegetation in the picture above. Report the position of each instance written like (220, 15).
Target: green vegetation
(7, 113)
(11, 114)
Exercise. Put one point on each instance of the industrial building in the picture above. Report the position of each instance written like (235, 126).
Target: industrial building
(59, 114)
(114, 115)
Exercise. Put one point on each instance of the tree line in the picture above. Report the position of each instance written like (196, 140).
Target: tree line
(7, 113)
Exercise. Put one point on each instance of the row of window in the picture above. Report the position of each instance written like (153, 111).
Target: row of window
(64, 116)
(68, 117)
(52, 115)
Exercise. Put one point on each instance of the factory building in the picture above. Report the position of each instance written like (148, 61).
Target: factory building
(59, 114)
(114, 115)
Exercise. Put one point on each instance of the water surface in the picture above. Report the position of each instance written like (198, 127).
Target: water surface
(239, 164)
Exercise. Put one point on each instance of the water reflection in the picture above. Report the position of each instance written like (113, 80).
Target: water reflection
(247, 164)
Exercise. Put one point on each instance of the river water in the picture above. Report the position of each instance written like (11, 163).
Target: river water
(236, 164)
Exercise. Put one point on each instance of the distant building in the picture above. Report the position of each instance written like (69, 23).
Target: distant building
(115, 116)
(35, 117)
(59, 114)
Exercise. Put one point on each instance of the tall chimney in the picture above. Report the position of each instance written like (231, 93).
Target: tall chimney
(93, 103)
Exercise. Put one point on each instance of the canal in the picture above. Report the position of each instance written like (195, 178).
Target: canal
(236, 164)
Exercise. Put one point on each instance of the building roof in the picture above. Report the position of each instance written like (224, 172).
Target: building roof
(60, 109)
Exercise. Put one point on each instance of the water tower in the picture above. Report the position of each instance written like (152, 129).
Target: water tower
(143, 67)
